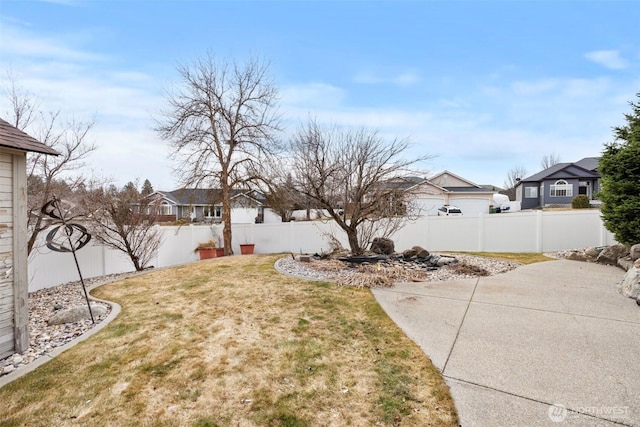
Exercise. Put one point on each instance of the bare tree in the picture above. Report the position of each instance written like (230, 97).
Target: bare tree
(124, 220)
(549, 160)
(276, 183)
(23, 105)
(351, 174)
(282, 198)
(514, 176)
(221, 122)
(48, 175)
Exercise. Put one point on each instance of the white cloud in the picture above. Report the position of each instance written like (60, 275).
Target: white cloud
(608, 58)
(84, 85)
(311, 95)
(19, 43)
(405, 78)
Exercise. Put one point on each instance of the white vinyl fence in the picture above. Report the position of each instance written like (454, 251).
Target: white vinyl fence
(509, 232)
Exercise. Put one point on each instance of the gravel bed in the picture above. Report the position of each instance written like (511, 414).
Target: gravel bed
(304, 270)
(44, 338)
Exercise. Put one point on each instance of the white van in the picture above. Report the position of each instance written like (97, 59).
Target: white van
(501, 203)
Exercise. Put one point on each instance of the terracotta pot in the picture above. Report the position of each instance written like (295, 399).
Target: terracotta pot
(246, 248)
(206, 253)
(219, 252)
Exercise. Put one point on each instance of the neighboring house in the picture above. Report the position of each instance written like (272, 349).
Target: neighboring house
(559, 184)
(447, 188)
(14, 294)
(205, 205)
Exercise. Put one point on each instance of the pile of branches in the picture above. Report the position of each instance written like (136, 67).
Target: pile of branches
(379, 276)
(383, 273)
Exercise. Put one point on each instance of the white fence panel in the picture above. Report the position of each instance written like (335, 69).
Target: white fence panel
(510, 232)
(573, 229)
(48, 268)
(295, 236)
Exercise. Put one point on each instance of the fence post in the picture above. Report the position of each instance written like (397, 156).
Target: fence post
(481, 232)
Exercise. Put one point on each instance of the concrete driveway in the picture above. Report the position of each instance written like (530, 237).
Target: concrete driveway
(550, 343)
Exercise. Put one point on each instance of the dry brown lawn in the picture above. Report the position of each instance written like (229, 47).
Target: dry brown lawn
(230, 341)
(523, 258)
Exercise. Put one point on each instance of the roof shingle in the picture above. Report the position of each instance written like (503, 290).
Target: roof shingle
(12, 137)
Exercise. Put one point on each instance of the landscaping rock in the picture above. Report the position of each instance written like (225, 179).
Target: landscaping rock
(76, 314)
(423, 254)
(630, 285)
(593, 252)
(625, 263)
(611, 254)
(409, 253)
(579, 256)
(445, 260)
(416, 252)
(382, 245)
(634, 252)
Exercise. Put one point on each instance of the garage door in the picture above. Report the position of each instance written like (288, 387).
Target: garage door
(428, 206)
(471, 206)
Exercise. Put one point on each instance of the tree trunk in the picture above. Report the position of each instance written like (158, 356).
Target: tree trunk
(226, 216)
(34, 234)
(352, 235)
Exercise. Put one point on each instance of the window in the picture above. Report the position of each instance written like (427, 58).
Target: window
(561, 189)
(212, 211)
(531, 192)
(165, 209)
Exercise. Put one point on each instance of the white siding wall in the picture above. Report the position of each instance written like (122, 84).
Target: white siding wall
(6, 255)
(510, 232)
(14, 310)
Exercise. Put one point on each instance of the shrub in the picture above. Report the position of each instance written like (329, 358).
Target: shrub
(581, 201)
(620, 170)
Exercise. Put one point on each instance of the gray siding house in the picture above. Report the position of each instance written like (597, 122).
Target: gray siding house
(205, 205)
(559, 184)
(14, 294)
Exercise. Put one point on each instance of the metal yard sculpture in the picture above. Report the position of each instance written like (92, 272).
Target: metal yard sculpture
(67, 237)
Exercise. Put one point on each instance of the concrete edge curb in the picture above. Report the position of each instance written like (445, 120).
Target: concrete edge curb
(115, 310)
(298, 276)
(23, 370)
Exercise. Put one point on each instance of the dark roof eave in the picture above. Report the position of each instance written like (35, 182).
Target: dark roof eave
(13, 138)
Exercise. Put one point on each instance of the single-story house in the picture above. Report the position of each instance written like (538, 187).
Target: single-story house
(14, 294)
(447, 188)
(559, 184)
(205, 205)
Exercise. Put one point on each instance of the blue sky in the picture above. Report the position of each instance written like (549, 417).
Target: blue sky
(483, 86)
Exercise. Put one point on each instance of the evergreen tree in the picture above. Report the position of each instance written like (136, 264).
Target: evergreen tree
(620, 170)
(147, 188)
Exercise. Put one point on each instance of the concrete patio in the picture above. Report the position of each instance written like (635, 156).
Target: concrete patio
(550, 343)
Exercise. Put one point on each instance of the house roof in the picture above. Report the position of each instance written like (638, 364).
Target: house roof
(401, 183)
(206, 197)
(444, 176)
(584, 168)
(468, 190)
(589, 163)
(12, 137)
